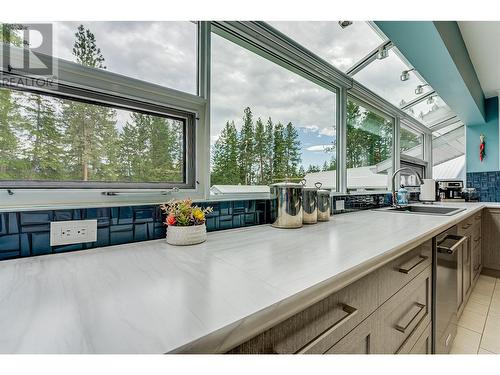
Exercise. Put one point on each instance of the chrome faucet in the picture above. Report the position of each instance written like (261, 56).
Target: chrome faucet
(419, 180)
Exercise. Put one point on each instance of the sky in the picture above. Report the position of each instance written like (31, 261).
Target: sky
(164, 53)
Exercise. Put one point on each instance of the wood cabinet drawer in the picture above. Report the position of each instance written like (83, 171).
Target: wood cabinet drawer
(399, 272)
(361, 340)
(319, 327)
(424, 342)
(465, 227)
(405, 316)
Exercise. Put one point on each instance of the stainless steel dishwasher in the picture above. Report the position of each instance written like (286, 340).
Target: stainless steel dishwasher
(448, 255)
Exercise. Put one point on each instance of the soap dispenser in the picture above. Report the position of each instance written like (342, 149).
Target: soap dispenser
(402, 196)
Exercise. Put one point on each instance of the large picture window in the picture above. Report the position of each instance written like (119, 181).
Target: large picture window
(60, 140)
(369, 148)
(268, 124)
(74, 137)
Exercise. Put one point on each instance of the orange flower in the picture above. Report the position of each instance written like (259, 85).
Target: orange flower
(171, 219)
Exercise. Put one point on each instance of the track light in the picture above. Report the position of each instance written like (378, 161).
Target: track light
(382, 53)
(405, 75)
(344, 24)
(420, 89)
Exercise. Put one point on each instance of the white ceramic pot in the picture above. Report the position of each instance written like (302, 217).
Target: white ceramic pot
(190, 235)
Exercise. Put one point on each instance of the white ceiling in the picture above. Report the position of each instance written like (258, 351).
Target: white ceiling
(482, 41)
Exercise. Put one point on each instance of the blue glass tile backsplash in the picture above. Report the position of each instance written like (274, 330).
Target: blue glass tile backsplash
(24, 234)
(487, 185)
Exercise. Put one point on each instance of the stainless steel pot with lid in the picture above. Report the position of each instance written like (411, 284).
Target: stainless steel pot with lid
(286, 205)
(324, 202)
(310, 204)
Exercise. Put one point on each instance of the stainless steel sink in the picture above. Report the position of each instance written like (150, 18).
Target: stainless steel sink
(425, 210)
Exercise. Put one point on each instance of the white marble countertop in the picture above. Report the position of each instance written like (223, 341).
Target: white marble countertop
(150, 297)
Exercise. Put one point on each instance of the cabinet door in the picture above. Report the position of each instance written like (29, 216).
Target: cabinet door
(491, 239)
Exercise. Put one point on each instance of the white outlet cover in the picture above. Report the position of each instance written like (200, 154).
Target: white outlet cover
(72, 232)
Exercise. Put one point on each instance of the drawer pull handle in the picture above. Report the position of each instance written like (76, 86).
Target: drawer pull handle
(466, 226)
(421, 259)
(420, 307)
(351, 311)
(477, 239)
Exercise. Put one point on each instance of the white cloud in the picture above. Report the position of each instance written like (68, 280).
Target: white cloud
(330, 132)
(319, 148)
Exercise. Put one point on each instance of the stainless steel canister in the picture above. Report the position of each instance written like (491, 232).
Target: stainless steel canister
(310, 204)
(324, 202)
(286, 202)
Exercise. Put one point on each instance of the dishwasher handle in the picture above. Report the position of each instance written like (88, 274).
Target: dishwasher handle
(450, 243)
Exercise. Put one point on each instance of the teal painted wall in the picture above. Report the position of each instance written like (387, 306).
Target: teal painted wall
(491, 131)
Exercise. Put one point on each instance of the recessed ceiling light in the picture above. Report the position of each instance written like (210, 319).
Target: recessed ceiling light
(344, 24)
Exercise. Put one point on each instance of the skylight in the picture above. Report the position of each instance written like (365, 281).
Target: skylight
(384, 78)
(341, 47)
(431, 110)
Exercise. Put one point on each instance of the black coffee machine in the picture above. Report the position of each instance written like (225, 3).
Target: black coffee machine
(450, 190)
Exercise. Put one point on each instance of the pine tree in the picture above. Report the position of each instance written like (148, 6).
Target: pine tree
(292, 150)
(10, 120)
(247, 148)
(90, 129)
(260, 152)
(45, 149)
(302, 172)
(225, 159)
(10, 116)
(279, 153)
(268, 147)
(165, 153)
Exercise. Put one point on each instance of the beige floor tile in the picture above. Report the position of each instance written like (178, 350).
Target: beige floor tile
(494, 314)
(472, 320)
(476, 307)
(466, 341)
(491, 335)
(487, 293)
(487, 279)
(484, 351)
(486, 290)
(495, 305)
(480, 298)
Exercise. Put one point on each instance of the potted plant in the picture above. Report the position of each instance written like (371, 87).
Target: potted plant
(185, 222)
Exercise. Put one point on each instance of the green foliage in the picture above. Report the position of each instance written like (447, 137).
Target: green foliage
(10, 119)
(225, 167)
(258, 154)
(9, 34)
(44, 149)
(369, 137)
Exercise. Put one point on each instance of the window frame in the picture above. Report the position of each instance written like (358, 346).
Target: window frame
(101, 87)
(394, 144)
(258, 37)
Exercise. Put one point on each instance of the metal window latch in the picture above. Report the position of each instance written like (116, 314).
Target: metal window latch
(162, 192)
(10, 192)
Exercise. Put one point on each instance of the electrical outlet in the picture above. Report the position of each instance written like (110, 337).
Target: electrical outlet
(340, 205)
(71, 232)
